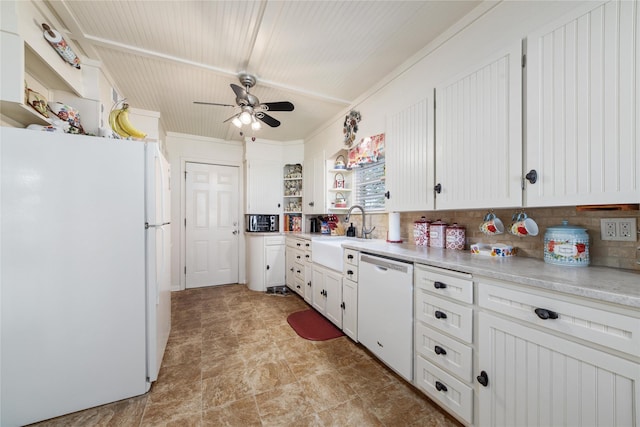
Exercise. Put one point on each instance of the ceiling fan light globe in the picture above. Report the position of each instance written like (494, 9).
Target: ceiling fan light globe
(255, 125)
(245, 117)
(236, 121)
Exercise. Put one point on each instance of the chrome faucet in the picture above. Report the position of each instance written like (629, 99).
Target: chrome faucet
(365, 233)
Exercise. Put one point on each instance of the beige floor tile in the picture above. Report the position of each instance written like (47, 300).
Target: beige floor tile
(233, 360)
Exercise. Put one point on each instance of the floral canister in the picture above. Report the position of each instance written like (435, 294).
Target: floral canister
(421, 232)
(437, 237)
(455, 237)
(566, 245)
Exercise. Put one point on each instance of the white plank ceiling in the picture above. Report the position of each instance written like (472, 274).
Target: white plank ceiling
(320, 55)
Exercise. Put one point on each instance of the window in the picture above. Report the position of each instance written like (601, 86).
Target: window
(369, 185)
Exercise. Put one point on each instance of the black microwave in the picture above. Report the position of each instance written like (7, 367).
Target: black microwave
(262, 223)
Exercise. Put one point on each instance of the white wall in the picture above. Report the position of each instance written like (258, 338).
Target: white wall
(184, 148)
(481, 33)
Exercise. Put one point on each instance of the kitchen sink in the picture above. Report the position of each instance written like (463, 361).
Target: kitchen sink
(328, 251)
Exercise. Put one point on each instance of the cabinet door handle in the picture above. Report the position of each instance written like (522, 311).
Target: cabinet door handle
(440, 386)
(311, 204)
(342, 305)
(268, 267)
(483, 378)
(387, 195)
(439, 285)
(532, 176)
(308, 283)
(439, 350)
(438, 188)
(545, 314)
(292, 269)
(440, 315)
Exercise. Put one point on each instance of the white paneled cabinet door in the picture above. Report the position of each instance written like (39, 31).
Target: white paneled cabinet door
(264, 187)
(333, 294)
(479, 135)
(538, 379)
(313, 186)
(274, 256)
(583, 108)
(409, 158)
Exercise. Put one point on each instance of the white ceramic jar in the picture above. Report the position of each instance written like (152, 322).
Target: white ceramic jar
(566, 245)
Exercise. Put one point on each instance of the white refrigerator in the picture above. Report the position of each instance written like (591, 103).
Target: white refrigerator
(84, 271)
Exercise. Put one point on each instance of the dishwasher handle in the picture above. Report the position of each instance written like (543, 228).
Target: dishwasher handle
(384, 264)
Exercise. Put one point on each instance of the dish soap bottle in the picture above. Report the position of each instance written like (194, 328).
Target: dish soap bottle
(351, 231)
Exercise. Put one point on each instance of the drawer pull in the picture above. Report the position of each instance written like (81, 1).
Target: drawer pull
(439, 350)
(439, 285)
(298, 256)
(440, 315)
(440, 386)
(297, 244)
(483, 378)
(349, 256)
(545, 314)
(268, 266)
(349, 272)
(298, 286)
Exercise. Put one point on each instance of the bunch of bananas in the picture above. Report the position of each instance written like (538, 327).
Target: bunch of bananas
(119, 121)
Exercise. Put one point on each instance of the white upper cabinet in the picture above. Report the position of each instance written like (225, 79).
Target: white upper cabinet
(314, 183)
(264, 187)
(409, 158)
(583, 108)
(479, 134)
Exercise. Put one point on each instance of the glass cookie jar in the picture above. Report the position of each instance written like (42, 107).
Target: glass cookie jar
(566, 245)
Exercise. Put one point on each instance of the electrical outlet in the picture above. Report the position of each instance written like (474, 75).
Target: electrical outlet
(619, 229)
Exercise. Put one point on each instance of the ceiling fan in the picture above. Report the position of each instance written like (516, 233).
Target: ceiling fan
(250, 107)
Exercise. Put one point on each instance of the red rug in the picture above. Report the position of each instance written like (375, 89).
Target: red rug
(311, 325)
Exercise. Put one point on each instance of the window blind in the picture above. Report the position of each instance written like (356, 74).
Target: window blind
(369, 185)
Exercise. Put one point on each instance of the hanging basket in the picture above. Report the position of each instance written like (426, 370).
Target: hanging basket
(338, 181)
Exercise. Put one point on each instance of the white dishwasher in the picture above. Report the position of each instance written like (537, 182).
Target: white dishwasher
(385, 311)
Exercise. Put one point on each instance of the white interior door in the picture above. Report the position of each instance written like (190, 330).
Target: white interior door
(212, 229)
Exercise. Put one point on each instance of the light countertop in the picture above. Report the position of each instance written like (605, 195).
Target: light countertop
(599, 283)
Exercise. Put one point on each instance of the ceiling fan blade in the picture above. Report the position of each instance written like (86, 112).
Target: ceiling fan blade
(213, 103)
(231, 118)
(278, 106)
(268, 119)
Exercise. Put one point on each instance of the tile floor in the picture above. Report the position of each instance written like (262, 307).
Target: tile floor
(233, 360)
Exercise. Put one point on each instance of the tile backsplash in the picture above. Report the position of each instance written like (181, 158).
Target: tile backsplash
(614, 254)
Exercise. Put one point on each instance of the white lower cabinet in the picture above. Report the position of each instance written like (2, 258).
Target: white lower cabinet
(538, 379)
(443, 338)
(350, 309)
(296, 274)
(266, 262)
(326, 286)
(350, 294)
(536, 370)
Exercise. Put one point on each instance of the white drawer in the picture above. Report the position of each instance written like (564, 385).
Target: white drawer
(453, 394)
(350, 257)
(451, 284)
(445, 315)
(299, 286)
(298, 256)
(600, 326)
(274, 240)
(351, 272)
(295, 243)
(444, 352)
(298, 272)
